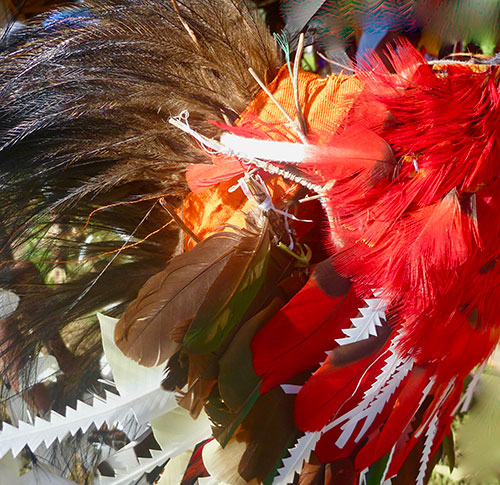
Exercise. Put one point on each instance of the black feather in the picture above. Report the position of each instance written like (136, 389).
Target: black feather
(84, 108)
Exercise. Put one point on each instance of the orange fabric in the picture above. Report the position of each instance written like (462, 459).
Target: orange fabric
(207, 212)
(325, 103)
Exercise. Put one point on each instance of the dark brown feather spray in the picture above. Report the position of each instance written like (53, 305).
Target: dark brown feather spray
(83, 126)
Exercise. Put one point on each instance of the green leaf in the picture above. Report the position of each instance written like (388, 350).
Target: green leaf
(237, 377)
(449, 450)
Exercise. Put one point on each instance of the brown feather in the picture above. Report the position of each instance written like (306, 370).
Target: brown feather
(268, 431)
(234, 289)
(165, 303)
(202, 378)
(84, 109)
(312, 473)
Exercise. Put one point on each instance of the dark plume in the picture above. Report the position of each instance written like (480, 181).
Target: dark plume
(84, 109)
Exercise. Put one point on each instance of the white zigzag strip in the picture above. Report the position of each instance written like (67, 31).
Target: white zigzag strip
(374, 403)
(375, 398)
(391, 376)
(366, 325)
(430, 436)
(145, 466)
(143, 407)
(362, 476)
(425, 393)
(299, 455)
(466, 399)
(377, 405)
(442, 398)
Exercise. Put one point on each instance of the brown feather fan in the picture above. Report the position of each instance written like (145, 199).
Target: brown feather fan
(86, 153)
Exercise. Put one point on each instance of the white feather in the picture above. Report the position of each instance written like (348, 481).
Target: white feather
(145, 466)
(276, 151)
(126, 372)
(123, 459)
(143, 406)
(177, 431)
(209, 481)
(175, 469)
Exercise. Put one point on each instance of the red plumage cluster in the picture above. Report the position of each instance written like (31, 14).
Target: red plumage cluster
(422, 233)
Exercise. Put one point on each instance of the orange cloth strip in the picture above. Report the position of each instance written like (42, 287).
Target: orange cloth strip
(325, 103)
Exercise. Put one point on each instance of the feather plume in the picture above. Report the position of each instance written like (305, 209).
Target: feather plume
(82, 126)
(403, 160)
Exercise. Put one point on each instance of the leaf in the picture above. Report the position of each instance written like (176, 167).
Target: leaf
(126, 372)
(141, 407)
(232, 292)
(476, 437)
(171, 298)
(449, 449)
(237, 377)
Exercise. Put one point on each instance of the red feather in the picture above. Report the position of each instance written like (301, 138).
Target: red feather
(298, 336)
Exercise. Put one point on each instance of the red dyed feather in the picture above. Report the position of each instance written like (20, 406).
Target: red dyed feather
(424, 233)
(297, 337)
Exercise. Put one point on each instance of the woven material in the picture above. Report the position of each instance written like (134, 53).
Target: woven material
(325, 103)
